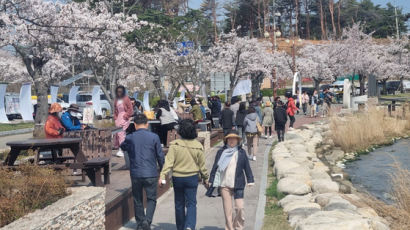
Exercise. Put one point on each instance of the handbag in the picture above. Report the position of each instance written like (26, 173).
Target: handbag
(259, 127)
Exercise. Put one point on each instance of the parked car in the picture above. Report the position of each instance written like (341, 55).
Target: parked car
(392, 87)
(406, 85)
(85, 98)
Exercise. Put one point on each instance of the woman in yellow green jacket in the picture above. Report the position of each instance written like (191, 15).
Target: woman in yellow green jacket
(186, 160)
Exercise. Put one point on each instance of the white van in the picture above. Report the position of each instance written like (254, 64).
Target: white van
(85, 98)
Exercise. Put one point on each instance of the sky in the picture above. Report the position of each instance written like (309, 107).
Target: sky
(405, 4)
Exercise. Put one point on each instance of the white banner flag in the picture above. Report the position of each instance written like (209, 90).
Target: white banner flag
(72, 96)
(3, 116)
(242, 88)
(182, 97)
(175, 103)
(146, 101)
(96, 98)
(53, 93)
(26, 107)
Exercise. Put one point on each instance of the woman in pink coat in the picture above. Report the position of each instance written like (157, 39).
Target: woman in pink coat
(123, 111)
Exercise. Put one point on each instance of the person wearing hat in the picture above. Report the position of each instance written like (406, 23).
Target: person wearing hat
(181, 107)
(231, 172)
(53, 127)
(70, 118)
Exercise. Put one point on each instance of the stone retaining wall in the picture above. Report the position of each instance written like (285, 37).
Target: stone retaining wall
(314, 201)
(83, 209)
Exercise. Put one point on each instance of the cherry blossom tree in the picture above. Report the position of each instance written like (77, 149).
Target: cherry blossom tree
(359, 54)
(105, 50)
(397, 55)
(47, 35)
(241, 57)
(317, 62)
(12, 68)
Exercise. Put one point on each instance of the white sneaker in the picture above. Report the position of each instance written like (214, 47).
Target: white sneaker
(120, 153)
(270, 136)
(254, 158)
(290, 128)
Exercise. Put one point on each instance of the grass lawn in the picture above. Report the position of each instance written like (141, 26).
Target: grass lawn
(397, 95)
(8, 127)
(275, 218)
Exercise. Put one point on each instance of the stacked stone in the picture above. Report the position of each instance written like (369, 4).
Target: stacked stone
(313, 200)
(84, 209)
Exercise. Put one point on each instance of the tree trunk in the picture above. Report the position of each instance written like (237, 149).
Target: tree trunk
(362, 79)
(259, 18)
(332, 17)
(322, 20)
(384, 84)
(214, 20)
(296, 18)
(307, 11)
(256, 85)
(339, 30)
(402, 85)
(317, 84)
(266, 22)
(41, 89)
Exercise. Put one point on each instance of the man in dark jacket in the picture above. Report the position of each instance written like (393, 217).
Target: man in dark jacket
(145, 154)
(280, 120)
(227, 118)
(215, 106)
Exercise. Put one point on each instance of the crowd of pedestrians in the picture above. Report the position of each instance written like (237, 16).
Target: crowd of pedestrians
(242, 122)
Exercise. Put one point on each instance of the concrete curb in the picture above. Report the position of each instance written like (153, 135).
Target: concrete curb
(16, 132)
(260, 210)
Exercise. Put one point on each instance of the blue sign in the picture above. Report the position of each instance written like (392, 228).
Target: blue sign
(184, 47)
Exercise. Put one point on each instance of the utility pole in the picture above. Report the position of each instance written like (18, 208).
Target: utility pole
(397, 20)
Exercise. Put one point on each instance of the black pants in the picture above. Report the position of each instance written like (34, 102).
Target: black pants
(163, 132)
(226, 131)
(292, 121)
(304, 107)
(150, 187)
(270, 130)
(281, 134)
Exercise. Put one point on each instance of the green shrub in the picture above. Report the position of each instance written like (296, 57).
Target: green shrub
(267, 92)
(281, 92)
(153, 101)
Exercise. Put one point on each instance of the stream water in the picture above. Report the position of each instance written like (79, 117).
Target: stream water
(373, 171)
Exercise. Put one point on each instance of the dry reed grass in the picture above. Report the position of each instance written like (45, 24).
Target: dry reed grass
(398, 214)
(26, 189)
(361, 130)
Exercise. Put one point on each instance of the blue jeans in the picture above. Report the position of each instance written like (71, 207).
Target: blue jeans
(185, 189)
(150, 187)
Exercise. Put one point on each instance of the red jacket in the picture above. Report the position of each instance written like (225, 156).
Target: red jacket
(291, 110)
(52, 126)
(128, 108)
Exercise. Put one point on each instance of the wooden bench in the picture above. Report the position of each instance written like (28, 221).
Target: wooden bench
(93, 169)
(96, 145)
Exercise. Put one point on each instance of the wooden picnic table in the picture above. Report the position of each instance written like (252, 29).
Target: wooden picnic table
(91, 167)
(40, 145)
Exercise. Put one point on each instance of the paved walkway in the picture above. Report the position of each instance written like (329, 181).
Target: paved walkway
(5, 139)
(210, 214)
